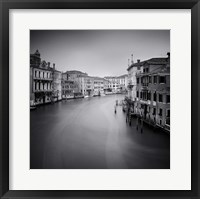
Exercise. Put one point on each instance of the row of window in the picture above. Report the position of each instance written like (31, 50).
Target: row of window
(69, 87)
(159, 111)
(152, 79)
(39, 86)
(145, 95)
(42, 74)
(98, 82)
(97, 87)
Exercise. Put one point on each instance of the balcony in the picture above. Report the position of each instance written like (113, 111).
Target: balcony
(43, 90)
(43, 78)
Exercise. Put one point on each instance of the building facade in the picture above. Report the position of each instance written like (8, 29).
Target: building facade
(57, 85)
(153, 92)
(98, 86)
(69, 86)
(133, 69)
(41, 81)
(117, 83)
(123, 83)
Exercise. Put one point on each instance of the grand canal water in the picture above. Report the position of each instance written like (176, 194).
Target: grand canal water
(87, 134)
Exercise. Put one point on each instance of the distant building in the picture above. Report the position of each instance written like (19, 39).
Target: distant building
(69, 86)
(133, 69)
(87, 85)
(113, 83)
(153, 92)
(123, 83)
(79, 81)
(41, 81)
(117, 83)
(57, 87)
(98, 86)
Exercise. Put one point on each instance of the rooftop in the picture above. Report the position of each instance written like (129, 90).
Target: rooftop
(155, 61)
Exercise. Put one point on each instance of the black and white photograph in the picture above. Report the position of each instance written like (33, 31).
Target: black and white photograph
(100, 99)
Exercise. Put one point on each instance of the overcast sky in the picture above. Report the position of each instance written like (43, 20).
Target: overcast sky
(98, 52)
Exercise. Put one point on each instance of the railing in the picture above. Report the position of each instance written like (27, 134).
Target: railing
(44, 78)
(43, 90)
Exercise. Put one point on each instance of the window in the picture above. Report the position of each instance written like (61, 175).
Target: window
(138, 80)
(155, 79)
(147, 70)
(154, 111)
(160, 98)
(149, 96)
(168, 113)
(141, 95)
(160, 112)
(39, 73)
(35, 73)
(155, 97)
(162, 79)
(168, 99)
(150, 79)
(137, 93)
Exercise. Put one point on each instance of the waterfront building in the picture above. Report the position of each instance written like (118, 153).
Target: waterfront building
(81, 83)
(117, 83)
(123, 83)
(105, 84)
(86, 85)
(41, 81)
(133, 69)
(113, 83)
(153, 92)
(99, 86)
(57, 87)
(69, 86)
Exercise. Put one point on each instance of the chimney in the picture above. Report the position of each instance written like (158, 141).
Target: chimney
(138, 60)
(168, 54)
(54, 67)
(48, 64)
(132, 59)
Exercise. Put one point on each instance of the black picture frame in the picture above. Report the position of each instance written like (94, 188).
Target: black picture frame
(5, 5)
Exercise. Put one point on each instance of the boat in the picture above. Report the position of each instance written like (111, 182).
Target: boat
(108, 93)
(78, 95)
(70, 97)
(32, 105)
